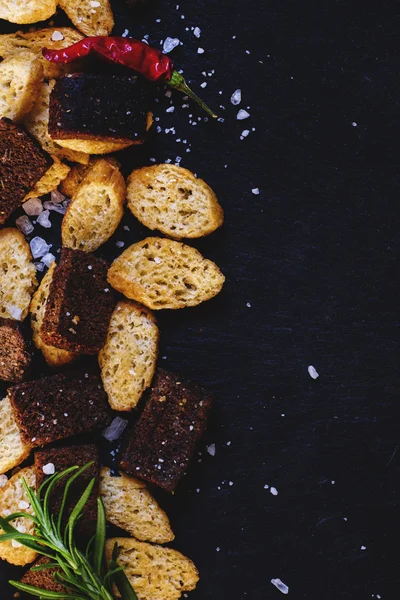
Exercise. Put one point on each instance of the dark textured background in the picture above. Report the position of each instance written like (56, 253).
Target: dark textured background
(315, 256)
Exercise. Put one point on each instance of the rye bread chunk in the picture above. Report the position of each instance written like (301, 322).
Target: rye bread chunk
(80, 304)
(43, 579)
(63, 458)
(58, 407)
(22, 164)
(15, 356)
(161, 445)
(93, 107)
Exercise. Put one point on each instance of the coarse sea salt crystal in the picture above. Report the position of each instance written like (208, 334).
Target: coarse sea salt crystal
(49, 469)
(197, 32)
(255, 191)
(39, 247)
(200, 50)
(39, 266)
(313, 372)
(15, 544)
(23, 505)
(95, 4)
(282, 587)
(170, 43)
(3, 480)
(274, 491)
(170, 109)
(236, 97)
(56, 207)
(211, 449)
(57, 197)
(43, 219)
(57, 36)
(24, 224)
(14, 311)
(48, 259)
(115, 430)
(33, 207)
(242, 115)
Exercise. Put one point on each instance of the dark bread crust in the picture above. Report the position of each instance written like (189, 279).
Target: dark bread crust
(22, 163)
(79, 308)
(63, 458)
(99, 107)
(164, 439)
(15, 355)
(43, 579)
(58, 407)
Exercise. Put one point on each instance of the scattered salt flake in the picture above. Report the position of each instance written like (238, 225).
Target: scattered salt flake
(115, 430)
(23, 505)
(266, 486)
(218, 549)
(274, 491)
(211, 449)
(197, 32)
(56, 207)
(120, 244)
(204, 84)
(200, 50)
(231, 483)
(24, 224)
(244, 134)
(242, 115)
(157, 260)
(170, 109)
(363, 548)
(313, 372)
(248, 304)
(198, 490)
(126, 33)
(49, 469)
(3, 480)
(14, 311)
(94, 4)
(39, 266)
(354, 124)
(57, 36)
(43, 219)
(57, 197)
(228, 443)
(33, 207)
(48, 259)
(170, 43)
(236, 97)
(15, 544)
(282, 587)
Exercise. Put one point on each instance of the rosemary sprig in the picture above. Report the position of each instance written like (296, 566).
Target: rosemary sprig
(84, 574)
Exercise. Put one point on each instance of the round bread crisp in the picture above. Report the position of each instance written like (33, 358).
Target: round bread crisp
(21, 76)
(27, 11)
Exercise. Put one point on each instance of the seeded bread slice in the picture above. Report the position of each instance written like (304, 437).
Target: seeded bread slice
(13, 449)
(27, 11)
(130, 505)
(92, 18)
(21, 76)
(17, 275)
(50, 180)
(156, 573)
(172, 200)
(162, 273)
(96, 209)
(49, 37)
(15, 355)
(128, 359)
(13, 498)
(55, 357)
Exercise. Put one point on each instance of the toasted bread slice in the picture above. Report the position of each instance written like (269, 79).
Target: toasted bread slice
(96, 209)
(15, 355)
(162, 273)
(21, 76)
(50, 180)
(55, 357)
(156, 573)
(92, 18)
(69, 186)
(172, 200)
(27, 11)
(13, 43)
(44, 578)
(13, 499)
(13, 449)
(130, 505)
(17, 275)
(37, 122)
(94, 146)
(128, 359)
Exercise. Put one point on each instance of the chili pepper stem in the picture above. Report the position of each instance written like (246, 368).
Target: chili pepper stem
(178, 82)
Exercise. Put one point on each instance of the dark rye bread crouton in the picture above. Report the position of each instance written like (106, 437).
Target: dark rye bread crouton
(80, 304)
(15, 355)
(99, 107)
(22, 164)
(44, 578)
(63, 458)
(58, 407)
(164, 439)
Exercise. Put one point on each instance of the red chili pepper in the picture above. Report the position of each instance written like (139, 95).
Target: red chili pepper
(137, 55)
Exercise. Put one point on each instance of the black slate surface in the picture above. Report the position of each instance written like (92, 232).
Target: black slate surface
(311, 280)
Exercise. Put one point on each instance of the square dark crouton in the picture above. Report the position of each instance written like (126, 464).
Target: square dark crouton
(15, 356)
(58, 407)
(43, 579)
(22, 163)
(164, 439)
(63, 458)
(99, 107)
(80, 304)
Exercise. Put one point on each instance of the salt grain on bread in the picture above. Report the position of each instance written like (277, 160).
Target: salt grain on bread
(130, 506)
(17, 275)
(162, 273)
(128, 359)
(49, 37)
(15, 354)
(13, 498)
(13, 449)
(92, 18)
(55, 357)
(171, 199)
(27, 11)
(21, 76)
(156, 573)
(50, 180)
(96, 208)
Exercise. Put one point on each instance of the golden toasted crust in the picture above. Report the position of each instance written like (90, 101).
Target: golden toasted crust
(171, 199)
(13, 449)
(21, 76)
(50, 180)
(13, 498)
(55, 357)
(162, 273)
(17, 275)
(71, 183)
(13, 43)
(92, 18)
(130, 505)
(95, 146)
(156, 573)
(96, 208)
(128, 359)
(27, 11)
